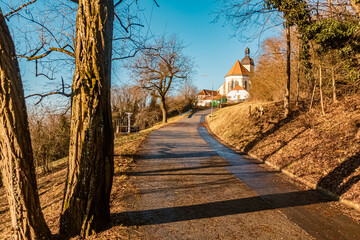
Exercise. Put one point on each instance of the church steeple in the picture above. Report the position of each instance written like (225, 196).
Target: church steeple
(247, 51)
(247, 61)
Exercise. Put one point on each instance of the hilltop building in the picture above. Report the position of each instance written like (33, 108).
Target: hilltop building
(205, 97)
(236, 94)
(236, 85)
(239, 74)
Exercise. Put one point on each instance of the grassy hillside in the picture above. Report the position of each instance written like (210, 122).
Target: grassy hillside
(322, 150)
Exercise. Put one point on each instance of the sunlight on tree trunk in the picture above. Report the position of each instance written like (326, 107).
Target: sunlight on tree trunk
(320, 88)
(356, 5)
(16, 156)
(86, 206)
(298, 76)
(333, 84)
(288, 72)
(163, 109)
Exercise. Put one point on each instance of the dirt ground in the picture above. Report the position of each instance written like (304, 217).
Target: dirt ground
(51, 187)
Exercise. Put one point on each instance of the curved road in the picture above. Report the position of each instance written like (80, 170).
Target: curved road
(192, 187)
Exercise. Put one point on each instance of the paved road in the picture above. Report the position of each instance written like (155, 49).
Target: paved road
(192, 187)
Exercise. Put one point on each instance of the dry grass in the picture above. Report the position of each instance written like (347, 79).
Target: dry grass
(233, 123)
(323, 150)
(51, 186)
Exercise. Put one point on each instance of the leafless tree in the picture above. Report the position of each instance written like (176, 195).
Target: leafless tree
(50, 134)
(160, 67)
(127, 99)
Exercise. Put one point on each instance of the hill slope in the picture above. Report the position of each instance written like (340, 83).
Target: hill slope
(322, 150)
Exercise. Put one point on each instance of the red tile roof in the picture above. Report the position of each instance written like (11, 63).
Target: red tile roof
(215, 97)
(237, 69)
(238, 87)
(208, 92)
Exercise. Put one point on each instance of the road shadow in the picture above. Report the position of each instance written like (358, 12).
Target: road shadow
(171, 171)
(218, 209)
(167, 154)
(189, 187)
(334, 181)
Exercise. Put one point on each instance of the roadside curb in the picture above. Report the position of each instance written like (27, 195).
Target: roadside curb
(334, 196)
(311, 185)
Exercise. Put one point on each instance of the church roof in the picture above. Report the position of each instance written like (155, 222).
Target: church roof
(247, 61)
(238, 87)
(237, 69)
(208, 92)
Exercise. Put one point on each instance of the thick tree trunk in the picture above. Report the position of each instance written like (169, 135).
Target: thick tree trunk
(16, 157)
(86, 205)
(288, 73)
(163, 109)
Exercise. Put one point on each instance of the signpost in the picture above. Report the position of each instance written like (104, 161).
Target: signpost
(129, 123)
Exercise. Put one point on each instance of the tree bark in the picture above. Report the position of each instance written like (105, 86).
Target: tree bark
(163, 109)
(320, 88)
(16, 156)
(298, 77)
(356, 5)
(288, 72)
(86, 204)
(312, 96)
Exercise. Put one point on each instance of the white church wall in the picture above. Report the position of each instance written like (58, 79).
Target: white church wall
(237, 95)
(233, 81)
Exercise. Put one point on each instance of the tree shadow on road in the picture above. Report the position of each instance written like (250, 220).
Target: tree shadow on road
(218, 209)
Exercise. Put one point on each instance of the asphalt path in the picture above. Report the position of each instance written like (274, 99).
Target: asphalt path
(192, 187)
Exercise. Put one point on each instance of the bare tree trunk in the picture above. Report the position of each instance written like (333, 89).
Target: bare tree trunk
(86, 204)
(44, 156)
(312, 96)
(298, 78)
(333, 84)
(16, 156)
(163, 109)
(288, 73)
(320, 88)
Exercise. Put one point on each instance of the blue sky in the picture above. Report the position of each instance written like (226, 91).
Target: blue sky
(210, 44)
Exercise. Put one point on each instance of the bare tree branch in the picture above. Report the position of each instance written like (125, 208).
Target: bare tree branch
(19, 8)
(33, 57)
(156, 3)
(42, 96)
(117, 4)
